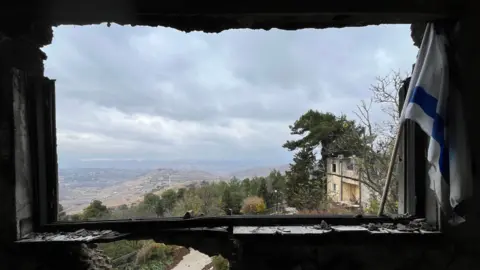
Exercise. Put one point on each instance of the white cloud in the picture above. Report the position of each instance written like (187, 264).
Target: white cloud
(157, 93)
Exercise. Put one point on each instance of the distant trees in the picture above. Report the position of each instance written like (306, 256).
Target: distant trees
(263, 192)
(169, 198)
(232, 198)
(180, 193)
(160, 208)
(152, 203)
(95, 210)
(214, 198)
(150, 200)
(246, 187)
(190, 202)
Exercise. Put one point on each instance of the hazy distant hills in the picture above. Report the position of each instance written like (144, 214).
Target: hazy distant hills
(261, 171)
(222, 166)
(97, 176)
(79, 186)
(103, 177)
(180, 175)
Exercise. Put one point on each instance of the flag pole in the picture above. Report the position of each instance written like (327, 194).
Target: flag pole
(390, 169)
(395, 147)
(415, 73)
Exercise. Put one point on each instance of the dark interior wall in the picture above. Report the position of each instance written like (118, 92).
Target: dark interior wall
(21, 60)
(460, 251)
(55, 257)
(359, 256)
(468, 60)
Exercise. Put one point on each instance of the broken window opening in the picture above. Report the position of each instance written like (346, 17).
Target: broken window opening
(191, 219)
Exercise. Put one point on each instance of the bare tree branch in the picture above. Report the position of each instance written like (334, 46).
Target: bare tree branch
(379, 137)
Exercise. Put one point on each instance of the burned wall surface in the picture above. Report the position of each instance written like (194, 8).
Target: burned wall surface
(18, 60)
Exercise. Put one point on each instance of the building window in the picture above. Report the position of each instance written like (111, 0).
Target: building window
(350, 166)
(334, 167)
(334, 187)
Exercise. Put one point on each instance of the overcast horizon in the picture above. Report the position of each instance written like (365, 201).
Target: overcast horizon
(161, 95)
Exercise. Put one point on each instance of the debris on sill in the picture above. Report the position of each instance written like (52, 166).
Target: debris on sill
(81, 236)
(372, 228)
(415, 226)
(278, 230)
(324, 225)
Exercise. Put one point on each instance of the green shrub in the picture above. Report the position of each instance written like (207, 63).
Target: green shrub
(373, 206)
(220, 263)
(253, 205)
(152, 251)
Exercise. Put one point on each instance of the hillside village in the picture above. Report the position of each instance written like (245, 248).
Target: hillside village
(344, 190)
(115, 187)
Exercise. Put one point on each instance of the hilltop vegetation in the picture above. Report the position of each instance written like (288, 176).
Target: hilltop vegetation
(214, 198)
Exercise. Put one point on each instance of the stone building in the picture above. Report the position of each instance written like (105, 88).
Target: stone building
(343, 185)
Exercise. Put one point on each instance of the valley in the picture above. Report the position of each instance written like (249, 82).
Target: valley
(115, 187)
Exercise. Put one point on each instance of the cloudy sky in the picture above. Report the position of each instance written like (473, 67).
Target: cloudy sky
(161, 94)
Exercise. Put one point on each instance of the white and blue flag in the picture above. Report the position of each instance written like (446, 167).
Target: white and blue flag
(431, 105)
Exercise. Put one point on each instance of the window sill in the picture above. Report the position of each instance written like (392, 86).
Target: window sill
(241, 227)
(158, 224)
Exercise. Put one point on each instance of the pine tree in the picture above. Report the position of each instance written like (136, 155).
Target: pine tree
(263, 192)
(227, 200)
(306, 179)
(303, 184)
(246, 187)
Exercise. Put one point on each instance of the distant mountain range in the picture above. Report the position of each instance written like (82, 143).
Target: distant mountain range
(261, 171)
(101, 177)
(79, 186)
(222, 167)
